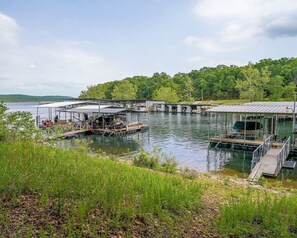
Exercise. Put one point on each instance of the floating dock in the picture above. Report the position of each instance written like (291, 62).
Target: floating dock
(108, 132)
(268, 160)
(233, 143)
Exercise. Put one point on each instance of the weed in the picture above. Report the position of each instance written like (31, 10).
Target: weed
(75, 184)
(156, 160)
(263, 215)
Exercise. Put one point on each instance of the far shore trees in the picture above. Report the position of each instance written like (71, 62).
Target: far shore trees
(166, 94)
(211, 83)
(254, 84)
(124, 90)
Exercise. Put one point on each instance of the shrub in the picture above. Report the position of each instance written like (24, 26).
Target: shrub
(156, 160)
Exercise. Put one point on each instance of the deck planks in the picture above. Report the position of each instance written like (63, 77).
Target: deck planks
(266, 166)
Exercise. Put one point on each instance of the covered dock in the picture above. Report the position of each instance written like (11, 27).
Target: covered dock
(76, 117)
(266, 128)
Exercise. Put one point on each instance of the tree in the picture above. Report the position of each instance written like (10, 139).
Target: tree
(166, 94)
(97, 91)
(3, 121)
(124, 90)
(254, 83)
(275, 88)
(289, 91)
(16, 125)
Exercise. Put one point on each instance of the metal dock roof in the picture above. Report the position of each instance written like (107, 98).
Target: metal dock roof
(281, 108)
(61, 104)
(103, 110)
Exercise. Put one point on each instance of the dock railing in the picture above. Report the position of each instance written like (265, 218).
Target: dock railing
(261, 151)
(283, 154)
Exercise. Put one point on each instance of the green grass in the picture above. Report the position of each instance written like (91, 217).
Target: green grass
(52, 192)
(264, 215)
(77, 185)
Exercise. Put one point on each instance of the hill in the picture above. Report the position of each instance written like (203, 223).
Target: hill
(30, 98)
(267, 79)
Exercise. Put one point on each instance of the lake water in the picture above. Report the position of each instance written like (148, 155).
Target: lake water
(184, 136)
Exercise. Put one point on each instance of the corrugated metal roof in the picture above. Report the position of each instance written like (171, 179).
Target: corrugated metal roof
(61, 104)
(92, 107)
(95, 110)
(270, 103)
(284, 108)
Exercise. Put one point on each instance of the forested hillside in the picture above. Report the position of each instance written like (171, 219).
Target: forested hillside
(267, 79)
(29, 98)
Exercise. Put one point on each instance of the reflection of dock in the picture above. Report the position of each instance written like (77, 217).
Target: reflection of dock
(121, 131)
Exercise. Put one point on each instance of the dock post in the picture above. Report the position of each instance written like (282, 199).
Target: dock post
(179, 108)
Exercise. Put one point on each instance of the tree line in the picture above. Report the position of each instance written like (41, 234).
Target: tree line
(267, 79)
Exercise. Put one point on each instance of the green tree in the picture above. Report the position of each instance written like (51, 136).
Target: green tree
(3, 121)
(96, 91)
(254, 83)
(275, 88)
(289, 91)
(124, 90)
(166, 94)
(188, 89)
(16, 125)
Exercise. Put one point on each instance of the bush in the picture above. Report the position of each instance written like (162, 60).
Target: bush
(16, 125)
(156, 160)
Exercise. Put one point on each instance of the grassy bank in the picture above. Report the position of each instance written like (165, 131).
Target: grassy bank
(87, 195)
(50, 192)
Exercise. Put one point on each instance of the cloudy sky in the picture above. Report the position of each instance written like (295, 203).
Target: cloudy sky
(59, 47)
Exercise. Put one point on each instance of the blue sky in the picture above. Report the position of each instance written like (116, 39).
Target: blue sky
(59, 47)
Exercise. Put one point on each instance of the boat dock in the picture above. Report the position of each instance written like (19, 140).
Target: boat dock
(268, 160)
(107, 131)
(245, 127)
(237, 143)
(81, 117)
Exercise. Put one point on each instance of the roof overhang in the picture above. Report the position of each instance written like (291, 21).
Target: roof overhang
(61, 104)
(275, 108)
(103, 109)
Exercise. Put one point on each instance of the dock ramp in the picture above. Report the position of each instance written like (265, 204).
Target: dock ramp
(267, 160)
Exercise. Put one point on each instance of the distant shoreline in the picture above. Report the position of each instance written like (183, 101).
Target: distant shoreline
(30, 98)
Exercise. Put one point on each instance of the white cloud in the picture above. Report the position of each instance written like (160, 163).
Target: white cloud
(56, 69)
(8, 30)
(244, 22)
(208, 44)
(59, 68)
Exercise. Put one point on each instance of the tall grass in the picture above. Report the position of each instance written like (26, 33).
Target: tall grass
(266, 215)
(81, 183)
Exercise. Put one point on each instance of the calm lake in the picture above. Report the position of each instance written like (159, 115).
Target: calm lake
(184, 136)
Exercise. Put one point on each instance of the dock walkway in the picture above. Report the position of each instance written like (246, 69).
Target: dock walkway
(271, 162)
(266, 166)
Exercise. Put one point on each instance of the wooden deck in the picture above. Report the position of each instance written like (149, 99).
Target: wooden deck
(267, 165)
(241, 141)
(108, 132)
